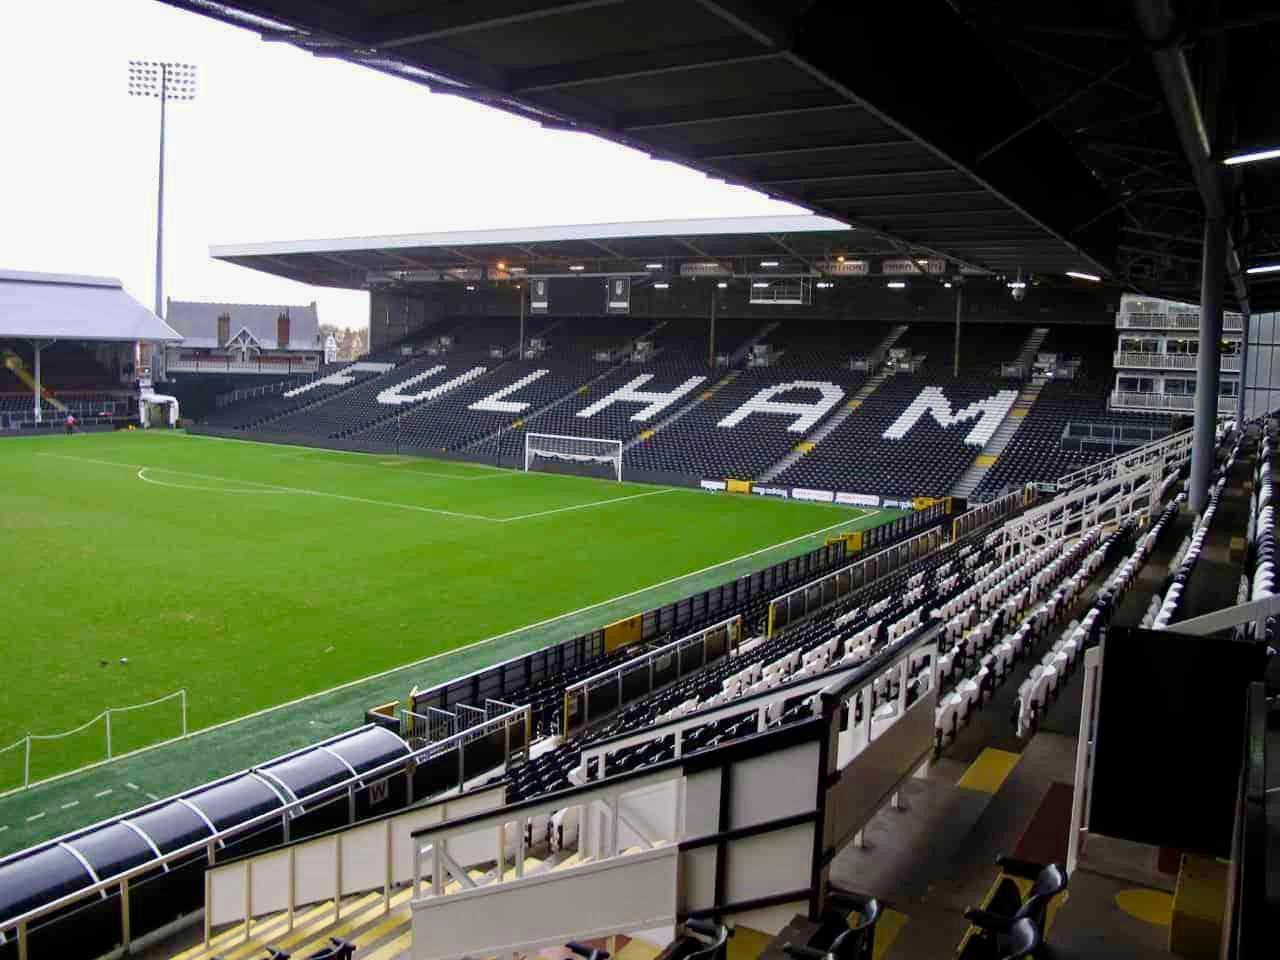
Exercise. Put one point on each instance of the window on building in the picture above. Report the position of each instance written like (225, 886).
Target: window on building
(1137, 385)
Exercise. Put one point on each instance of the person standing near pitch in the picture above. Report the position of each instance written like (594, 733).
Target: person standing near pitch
(70, 423)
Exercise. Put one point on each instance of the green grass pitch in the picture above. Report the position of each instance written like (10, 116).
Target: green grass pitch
(253, 574)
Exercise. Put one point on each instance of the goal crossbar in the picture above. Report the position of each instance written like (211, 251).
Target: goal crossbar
(556, 446)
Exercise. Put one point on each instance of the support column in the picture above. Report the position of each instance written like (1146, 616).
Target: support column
(1209, 359)
(520, 356)
(1242, 406)
(36, 347)
(711, 343)
(955, 363)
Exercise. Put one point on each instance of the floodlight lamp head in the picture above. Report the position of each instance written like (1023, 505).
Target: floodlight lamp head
(155, 78)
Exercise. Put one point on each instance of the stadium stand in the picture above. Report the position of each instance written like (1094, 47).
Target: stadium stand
(64, 367)
(1039, 455)
(474, 416)
(295, 394)
(948, 421)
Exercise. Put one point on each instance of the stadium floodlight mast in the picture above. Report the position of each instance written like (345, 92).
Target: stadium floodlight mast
(164, 80)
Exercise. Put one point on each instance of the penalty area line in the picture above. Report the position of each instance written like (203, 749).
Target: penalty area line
(587, 506)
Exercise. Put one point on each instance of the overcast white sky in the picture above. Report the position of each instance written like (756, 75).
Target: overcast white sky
(278, 145)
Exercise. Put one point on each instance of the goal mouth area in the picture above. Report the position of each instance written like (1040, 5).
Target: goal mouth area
(580, 456)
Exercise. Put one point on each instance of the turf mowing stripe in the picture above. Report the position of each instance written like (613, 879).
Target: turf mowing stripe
(584, 506)
(276, 486)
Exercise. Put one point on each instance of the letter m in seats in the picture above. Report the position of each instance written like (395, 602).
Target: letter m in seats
(990, 413)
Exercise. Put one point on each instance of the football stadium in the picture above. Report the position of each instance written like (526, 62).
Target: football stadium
(891, 579)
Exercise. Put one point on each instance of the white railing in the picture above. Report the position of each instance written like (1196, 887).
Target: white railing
(795, 605)
(375, 856)
(285, 365)
(1176, 319)
(1125, 400)
(758, 705)
(1169, 450)
(657, 669)
(1170, 361)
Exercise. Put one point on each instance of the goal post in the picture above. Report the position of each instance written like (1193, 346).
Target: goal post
(573, 450)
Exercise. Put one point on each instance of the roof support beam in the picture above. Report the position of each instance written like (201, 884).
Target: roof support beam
(1045, 114)
(924, 195)
(1157, 20)
(727, 116)
(866, 175)
(440, 26)
(598, 73)
(804, 150)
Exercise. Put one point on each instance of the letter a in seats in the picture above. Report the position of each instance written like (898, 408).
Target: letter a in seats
(806, 414)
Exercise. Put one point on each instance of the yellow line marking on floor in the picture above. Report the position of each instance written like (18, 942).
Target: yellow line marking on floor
(989, 771)
(1149, 906)
(888, 927)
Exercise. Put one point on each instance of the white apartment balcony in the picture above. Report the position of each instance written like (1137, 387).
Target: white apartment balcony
(1158, 402)
(1187, 319)
(1169, 361)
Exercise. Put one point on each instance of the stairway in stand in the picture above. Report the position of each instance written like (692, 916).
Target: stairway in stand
(1031, 347)
(970, 479)
(876, 356)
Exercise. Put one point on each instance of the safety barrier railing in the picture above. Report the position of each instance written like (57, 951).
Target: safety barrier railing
(1177, 318)
(1170, 449)
(214, 365)
(498, 738)
(1170, 361)
(890, 669)
(1127, 400)
(983, 515)
(803, 602)
(597, 697)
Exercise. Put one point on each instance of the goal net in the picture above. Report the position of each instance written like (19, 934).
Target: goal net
(573, 454)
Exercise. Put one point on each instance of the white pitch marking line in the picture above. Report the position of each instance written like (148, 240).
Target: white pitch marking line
(68, 806)
(35, 817)
(101, 794)
(142, 475)
(594, 503)
(4, 828)
(313, 450)
(152, 796)
(417, 473)
(280, 487)
(132, 786)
